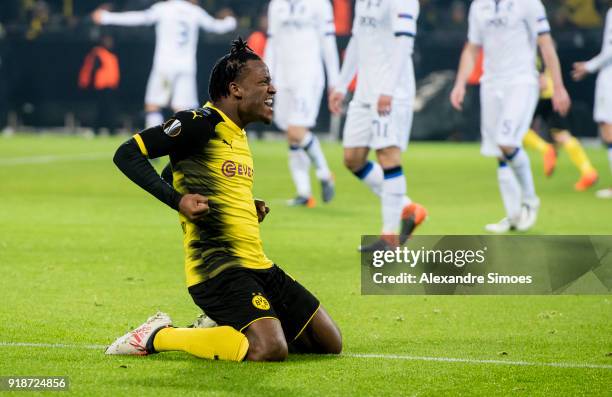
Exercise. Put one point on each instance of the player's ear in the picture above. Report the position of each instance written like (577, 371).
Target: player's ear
(235, 90)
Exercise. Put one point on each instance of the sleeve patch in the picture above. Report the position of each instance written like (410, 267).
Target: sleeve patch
(172, 127)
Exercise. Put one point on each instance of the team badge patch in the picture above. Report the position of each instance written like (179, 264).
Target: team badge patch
(172, 127)
(260, 302)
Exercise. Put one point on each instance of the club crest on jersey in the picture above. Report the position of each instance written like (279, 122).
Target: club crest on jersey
(230, 169)
(172, 127)
(260, 302)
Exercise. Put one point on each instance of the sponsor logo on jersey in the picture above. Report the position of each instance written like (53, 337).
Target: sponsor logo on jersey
(368, 22)
(230, 169)
(498, 22)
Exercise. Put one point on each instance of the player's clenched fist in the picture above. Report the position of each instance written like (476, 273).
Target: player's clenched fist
(194, 206)
(262, 209)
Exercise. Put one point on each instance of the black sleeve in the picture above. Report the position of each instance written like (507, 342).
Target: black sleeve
(166, 174)
(184, 133)
(131, 161)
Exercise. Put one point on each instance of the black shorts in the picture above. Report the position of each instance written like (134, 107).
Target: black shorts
(553, 120)
(240, 296)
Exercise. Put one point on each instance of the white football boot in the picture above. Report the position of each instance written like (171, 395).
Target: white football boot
(529, 215)
(503, 226)
(203, 321)
(604, 193)
(135, 342)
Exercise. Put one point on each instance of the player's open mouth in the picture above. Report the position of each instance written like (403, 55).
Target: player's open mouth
(269, 102)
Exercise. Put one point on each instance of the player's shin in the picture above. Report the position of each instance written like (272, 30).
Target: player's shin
(577, 155)
(520, 164)
(392, 199)
(312, 147)
(510, 191)
(218, 343)
(299, 165)
(533, 140)
(372, 175)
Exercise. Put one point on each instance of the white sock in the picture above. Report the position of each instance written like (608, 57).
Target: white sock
(372, 175)
(510, 190)
(610, 155)
(519, 161)
(153, 118)
(312, 147)
(299, 165)
(392, 198)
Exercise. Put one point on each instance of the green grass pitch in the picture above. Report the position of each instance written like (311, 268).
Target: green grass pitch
(86, 255)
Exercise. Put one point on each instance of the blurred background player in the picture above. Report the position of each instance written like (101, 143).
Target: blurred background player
(508, 33)
(100, 72)
(602, 63)
(173, 77)
(301, 38)
(559, 129)
(556, 125)
(380, 114)
(258, 39)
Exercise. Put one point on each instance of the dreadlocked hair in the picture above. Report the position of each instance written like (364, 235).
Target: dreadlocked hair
(228, 69)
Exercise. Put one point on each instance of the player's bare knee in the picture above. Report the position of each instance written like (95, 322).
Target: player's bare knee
(389, 157)
(268, 349)
(561, 136)
(507, 150)
(334, 345)
(606, 132)
(296, 134)
(354, 161)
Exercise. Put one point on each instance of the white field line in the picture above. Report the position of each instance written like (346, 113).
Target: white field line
(354, 355)
(53, 158)
(475, 361)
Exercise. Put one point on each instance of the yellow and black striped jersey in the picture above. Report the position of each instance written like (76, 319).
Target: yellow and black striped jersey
(210, 155)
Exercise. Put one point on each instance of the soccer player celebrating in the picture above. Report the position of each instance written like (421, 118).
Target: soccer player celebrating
(602, 63)
(301, 38)
(173, 77)
(508, 31)
(259, 310)
(380, 115)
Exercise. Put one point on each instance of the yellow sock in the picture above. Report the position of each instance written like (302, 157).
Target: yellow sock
(217, 343)
(533, 141)
(578, 156)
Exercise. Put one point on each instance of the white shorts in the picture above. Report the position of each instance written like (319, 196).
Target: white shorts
(175, 88)
(602, 112)
(297, 106)
(506, 114)
(365, 128)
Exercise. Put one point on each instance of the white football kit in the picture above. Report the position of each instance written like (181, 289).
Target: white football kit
(603, 64)
(301, 37)
(177, 23)
(380, 50)
(507, 30)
